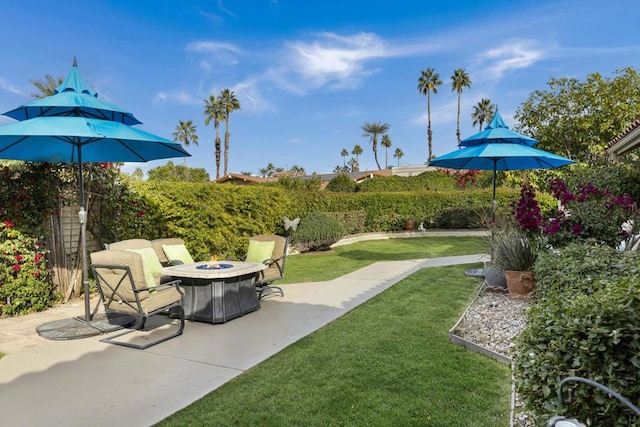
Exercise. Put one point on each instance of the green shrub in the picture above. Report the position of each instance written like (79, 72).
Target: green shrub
(317, 231)
(585, 322)
(25, 283)
(460, 218)
(352, 222)
(341, 184)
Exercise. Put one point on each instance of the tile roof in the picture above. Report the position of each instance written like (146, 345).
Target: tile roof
(625, 132)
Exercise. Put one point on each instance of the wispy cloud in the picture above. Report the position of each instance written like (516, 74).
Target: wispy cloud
(225, 10)
(215, 53)
(9, 87)
(177, 97)
(509, 57)
(251, 98)
(212, 17)
(333, 60)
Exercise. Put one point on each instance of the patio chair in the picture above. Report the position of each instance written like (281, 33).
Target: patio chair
(269, 249)
(171, 251)
(126, 286)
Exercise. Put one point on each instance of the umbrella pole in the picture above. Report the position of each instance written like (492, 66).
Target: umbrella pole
(82, 215)
(493, 201)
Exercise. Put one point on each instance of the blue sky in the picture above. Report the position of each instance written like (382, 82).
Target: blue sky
(308, 74)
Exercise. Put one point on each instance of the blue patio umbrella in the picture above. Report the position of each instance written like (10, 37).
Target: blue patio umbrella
(497, 132)
(73, 98)
(78, 140)
(500, 156)
(73, 126)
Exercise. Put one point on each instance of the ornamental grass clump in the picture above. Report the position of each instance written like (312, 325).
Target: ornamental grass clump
(511, 248)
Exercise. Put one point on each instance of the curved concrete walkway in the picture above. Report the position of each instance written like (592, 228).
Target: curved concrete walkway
(85, 382)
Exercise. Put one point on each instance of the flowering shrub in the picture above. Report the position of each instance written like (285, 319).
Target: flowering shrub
(25, 284)
(589, 214)
(464, 179)
(527, 211)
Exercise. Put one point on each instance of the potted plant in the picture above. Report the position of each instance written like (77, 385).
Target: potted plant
(515, 253)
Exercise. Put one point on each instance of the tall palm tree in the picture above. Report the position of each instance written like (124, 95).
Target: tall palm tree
(386, 143)
(229, 104)
(459, 80)
(428, 82)
(482, 112)
(371, 131)
(46, 86)
(344, 153)
(357, 150)
(213, 111)
(353, 165)
(398, 154)
(186, 133)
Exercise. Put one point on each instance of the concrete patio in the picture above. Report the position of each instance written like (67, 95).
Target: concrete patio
(86, 382)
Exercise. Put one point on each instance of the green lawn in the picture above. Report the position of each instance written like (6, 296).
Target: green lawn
(322, 266)
(388, 362)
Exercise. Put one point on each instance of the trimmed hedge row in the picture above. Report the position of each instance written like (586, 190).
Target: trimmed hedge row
(220, 218)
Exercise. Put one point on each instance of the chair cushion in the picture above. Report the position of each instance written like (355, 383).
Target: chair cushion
(177, 252)
(259, 251)
(150, 264)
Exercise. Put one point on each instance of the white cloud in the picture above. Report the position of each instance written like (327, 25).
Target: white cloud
(215, 53)
(225, 10)
(9, 87)
(331, 59)
(177, 97)
(511, 56)
(250, 96)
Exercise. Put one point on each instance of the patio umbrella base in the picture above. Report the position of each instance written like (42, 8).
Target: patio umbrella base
(77, 328)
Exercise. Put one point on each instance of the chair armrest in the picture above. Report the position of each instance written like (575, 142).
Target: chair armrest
(171, 284)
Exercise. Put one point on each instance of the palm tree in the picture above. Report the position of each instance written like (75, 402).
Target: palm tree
(386, 143)
(213, 111)
(459, 80)
(398, 154)
(357, 150)
(344, 153)
(371, 131)
(46, 86)
(428, 82)
(229, 103)
(186, 133)
(354, 166)
(482, 112)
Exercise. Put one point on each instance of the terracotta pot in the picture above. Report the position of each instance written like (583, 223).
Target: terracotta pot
(409, 225)
(520, 283)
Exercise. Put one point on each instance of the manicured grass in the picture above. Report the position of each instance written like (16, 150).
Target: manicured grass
(322, 266)
(388, 362)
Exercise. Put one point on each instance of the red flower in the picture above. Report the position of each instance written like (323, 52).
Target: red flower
(577, 228)
(18, 258)
(16, 267)
(37, 258)
(8, 223)
(140, 213)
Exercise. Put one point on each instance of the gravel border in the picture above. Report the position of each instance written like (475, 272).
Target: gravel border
(489, 325)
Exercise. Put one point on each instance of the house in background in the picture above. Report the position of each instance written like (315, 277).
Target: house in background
(239, 179)
(622, 148)
(357, 177)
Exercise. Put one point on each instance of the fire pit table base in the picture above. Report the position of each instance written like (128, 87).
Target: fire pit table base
(220, 300)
